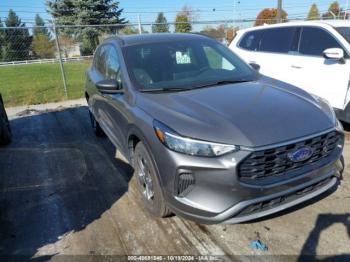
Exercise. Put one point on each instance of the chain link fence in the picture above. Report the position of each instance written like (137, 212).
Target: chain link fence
(48, 64)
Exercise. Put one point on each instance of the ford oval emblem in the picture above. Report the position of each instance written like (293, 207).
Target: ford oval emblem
(301, 154)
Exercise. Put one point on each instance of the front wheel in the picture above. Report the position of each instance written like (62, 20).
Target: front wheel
(148, 185)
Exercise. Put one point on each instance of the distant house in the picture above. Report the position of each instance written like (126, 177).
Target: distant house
(69, 48)
(70, 51)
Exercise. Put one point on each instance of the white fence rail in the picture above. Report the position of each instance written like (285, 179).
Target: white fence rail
(45, 61)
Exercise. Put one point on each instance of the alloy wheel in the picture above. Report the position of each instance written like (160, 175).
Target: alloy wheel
(145, 179)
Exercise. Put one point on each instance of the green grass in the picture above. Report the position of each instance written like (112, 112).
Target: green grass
(41, 83)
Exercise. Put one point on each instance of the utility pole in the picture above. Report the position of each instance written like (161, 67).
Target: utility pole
(279, 11)
(234, 13)
(346, 9)
(235, 4)
(139, 24)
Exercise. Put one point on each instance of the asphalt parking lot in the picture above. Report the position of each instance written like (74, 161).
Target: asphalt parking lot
(63, 192)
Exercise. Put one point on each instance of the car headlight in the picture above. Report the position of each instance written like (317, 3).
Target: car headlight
(190, 146)
(325, 105)
(338, 126)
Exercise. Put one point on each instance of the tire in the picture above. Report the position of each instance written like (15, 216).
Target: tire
(343, 163)
(151, 195)
(5, 129)
(96, 126)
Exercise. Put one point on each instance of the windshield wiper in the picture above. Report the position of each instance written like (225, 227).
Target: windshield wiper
(222, 82)
(172, 89)
(168, 89)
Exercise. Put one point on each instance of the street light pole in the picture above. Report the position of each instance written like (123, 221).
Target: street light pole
(235, 3)
(279, 11)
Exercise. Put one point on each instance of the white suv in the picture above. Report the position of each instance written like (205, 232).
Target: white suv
(313, 55)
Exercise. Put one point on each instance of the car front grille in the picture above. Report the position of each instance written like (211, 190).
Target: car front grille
(275, 162)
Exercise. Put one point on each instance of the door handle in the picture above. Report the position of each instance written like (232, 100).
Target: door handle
(296, 67)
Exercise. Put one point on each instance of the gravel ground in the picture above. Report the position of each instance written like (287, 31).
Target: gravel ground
(63, 192)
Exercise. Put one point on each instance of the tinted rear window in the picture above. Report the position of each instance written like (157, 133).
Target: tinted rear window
(345, 32)
(251, 40)
(280, 40)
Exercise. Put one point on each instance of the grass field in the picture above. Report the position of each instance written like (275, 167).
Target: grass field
(41, 83)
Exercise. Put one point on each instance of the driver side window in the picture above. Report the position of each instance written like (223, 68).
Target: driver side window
(112, 63)
(100, 60)
(315, 40)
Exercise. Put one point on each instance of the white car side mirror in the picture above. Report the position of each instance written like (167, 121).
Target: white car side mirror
(334, 53)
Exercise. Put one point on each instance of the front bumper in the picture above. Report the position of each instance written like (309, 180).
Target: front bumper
(219, 196)
(283, 200)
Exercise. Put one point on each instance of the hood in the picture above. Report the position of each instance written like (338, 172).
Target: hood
(249, 114)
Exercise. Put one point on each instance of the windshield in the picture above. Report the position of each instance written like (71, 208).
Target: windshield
(184, 64)
(345, 32)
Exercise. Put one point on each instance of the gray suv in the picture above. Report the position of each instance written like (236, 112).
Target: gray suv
(209, 138)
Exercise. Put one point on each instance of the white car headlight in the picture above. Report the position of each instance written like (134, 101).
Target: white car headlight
(190, 146)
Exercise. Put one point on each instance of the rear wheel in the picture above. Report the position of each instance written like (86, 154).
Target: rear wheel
(96, 126)
(147, 182)
(5, 130)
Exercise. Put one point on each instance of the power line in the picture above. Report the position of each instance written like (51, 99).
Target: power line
(156, 12)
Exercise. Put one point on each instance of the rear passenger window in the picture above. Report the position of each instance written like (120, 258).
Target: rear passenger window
(251, 40)
(280, 40)
(315, 40)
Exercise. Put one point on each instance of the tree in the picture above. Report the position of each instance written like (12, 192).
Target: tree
(39, 29)
(161, 24)
(16, 40)
(313, 14)
(182, 21)
(231, 33)
(131, 30)
(220, 33)
(215, 32)
(86, 12)
(269, 16)
(335, 12)
(42, 46)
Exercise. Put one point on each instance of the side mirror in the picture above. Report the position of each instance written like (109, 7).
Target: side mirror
(255, 66)
(109, 86)
(334, 54)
